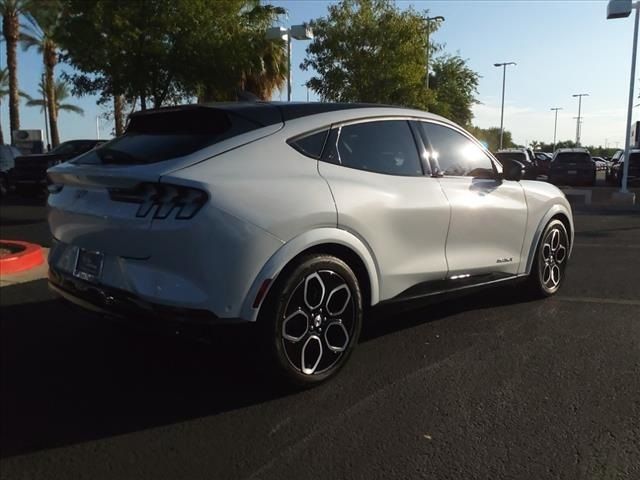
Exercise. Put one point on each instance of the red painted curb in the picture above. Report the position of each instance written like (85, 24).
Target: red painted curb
(29, 256)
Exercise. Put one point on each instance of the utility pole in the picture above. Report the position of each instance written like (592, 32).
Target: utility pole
(555, 126)
(579, 117)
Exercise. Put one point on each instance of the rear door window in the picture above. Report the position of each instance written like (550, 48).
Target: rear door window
(384, 146)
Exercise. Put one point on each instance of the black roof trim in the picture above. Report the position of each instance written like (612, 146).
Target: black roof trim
(266, 113)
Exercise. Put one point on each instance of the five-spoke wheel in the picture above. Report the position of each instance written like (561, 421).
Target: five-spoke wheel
(316, 320)
(553, 251)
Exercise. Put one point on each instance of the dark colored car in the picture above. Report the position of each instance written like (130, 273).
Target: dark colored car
(521, 155)
(30, 171)
(543, 161)
(572, 166)
(617, 168)
(612, 167)
(8, 154)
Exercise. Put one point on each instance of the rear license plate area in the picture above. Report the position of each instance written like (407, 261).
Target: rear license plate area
(88, 265)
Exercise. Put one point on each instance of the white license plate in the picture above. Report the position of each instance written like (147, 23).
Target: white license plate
(88, 265)
(572, 172)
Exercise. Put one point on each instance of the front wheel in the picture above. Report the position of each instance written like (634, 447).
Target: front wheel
(550, 263)
(312, 319)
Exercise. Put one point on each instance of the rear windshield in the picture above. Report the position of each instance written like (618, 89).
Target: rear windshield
(572, 157)
(518, 156)
(163, 135)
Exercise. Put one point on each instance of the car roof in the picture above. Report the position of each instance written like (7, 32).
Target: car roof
(270, 113)
(572, 150)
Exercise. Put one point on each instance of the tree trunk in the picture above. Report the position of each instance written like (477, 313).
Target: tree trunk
(118, 114)
(50, 59)
(1, 135)
(10, 27)
(143, 101)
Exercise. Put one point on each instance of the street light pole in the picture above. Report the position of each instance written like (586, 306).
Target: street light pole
(555, 126)
(621, 9)
(579, 117)
(297, 32)
(44, 105)
(428, 20)
(504, 77)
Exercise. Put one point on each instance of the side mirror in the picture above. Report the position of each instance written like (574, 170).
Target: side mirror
(513, 170)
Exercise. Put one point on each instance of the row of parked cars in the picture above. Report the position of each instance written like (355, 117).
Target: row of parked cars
(28, 173)
(572, 166)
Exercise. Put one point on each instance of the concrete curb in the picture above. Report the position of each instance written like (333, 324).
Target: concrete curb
(26, 256)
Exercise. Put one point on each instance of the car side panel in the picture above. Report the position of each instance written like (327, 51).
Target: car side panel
(403, 221)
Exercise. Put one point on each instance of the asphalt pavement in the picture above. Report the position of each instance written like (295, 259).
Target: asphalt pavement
(490, 386)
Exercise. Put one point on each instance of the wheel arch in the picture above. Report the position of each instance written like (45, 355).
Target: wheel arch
(556, 212)
(333, 241)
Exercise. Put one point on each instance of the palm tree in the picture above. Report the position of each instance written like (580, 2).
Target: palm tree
(4, 91)
(267, 70)
(11, 11)
(42, 20)
(61, 93)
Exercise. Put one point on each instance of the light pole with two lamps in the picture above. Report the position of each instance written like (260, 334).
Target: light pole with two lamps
(579, 117)
(297, 32)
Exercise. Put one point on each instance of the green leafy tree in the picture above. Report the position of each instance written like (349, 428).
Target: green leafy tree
(491, 137)
(11, 11)
(42, 19)
(455, 85)
(162, 51)
(372, 51)
(369, 51)
(61, 93)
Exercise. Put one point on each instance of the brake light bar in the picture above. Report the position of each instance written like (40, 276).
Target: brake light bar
(162, 199)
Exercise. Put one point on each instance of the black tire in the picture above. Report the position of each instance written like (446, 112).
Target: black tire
(304, 315)
(4, 185)
(550, 262)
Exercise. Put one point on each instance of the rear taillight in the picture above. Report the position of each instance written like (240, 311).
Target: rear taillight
(162, 200)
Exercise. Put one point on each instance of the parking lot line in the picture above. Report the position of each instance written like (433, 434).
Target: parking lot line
(615, 301)
(606, 245)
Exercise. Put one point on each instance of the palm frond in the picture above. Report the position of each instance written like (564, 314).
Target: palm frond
(71, 108)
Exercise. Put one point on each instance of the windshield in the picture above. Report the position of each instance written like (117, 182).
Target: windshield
(518, 156)
(573, 157)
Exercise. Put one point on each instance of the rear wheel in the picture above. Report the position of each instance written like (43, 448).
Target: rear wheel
(312, 319)
(550, 263)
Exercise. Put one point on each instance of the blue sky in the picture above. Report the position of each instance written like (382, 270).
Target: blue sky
(562, 47)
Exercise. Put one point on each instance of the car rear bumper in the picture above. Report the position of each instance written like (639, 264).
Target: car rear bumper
(119, 303)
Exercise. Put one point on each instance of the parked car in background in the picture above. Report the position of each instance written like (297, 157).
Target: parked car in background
(30, 171)
(617, 168)
(543, 160)
(601, 163)
(612, 167)
(572, 166)
(522, 155)
(8, 155)
(298, 217)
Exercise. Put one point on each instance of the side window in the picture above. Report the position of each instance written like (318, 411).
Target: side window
(385, 146)
(455, 153)
(311, 144)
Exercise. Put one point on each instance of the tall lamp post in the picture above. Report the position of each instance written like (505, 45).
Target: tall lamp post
(438, 18)
(297, 32)
(555, 126)
(504, 76)
(579, 117)
(622, 9)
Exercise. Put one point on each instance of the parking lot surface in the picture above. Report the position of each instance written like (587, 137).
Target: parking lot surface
(490, 386)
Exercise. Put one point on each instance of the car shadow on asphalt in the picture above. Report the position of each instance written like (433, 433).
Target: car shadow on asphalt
(68, 376)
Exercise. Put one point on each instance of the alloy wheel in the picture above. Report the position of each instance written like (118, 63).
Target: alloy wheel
(553, 258)
(318, 322)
